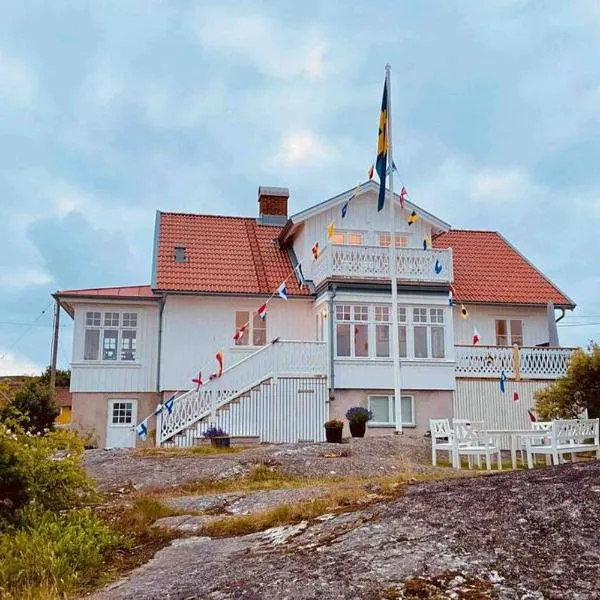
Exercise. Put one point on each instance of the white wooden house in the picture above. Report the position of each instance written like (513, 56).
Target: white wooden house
(327, 347)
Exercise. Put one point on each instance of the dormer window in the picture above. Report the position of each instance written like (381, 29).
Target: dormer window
(180, 254)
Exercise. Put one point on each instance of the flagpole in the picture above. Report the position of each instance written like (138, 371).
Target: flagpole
(392, 260)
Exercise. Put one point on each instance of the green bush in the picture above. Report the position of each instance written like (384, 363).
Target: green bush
(45, 472)
(34, 406)
(577, 391)
(54, 554)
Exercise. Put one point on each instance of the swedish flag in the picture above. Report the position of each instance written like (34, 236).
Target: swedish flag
(382, 147)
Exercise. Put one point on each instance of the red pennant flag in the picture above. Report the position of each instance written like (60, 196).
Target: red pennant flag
(239, 334)
(403, 195)
(475, 336)
(262, 311)
(532, 417)
(315, 250)
(515, 396)
(371, 171)
(219, 357)
(198, 380)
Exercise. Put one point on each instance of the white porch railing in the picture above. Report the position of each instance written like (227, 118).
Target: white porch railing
(372, 262)
(490, 361)
(279, 358)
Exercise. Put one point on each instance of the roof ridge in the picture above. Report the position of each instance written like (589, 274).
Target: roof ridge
(105, 287)
(211, 216)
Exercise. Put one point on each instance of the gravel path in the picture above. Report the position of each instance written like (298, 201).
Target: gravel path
(355, 458)
(522, 535)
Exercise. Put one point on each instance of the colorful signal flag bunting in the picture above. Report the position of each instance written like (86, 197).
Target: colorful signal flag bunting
(142, 430)
(282, 291)
(198, 380)
(413, 218)
(262, 311)
(315, 250)
(403, 196)
(475, 336)
(503, 382)
(438, 267)
(330, 230)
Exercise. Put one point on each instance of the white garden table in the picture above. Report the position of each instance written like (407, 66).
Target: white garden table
(516, 435)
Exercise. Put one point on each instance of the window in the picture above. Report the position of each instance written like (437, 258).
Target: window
(255, 333)
(382, 331)
(428, 333)
(509, 332)
(352, 238)
(352, 330)
(122, 413)
(401, 240)
(342, 313)
(383, 409)
(110, 336)
(180, 254)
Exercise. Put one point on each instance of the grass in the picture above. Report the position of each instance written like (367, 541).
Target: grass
(204, 450)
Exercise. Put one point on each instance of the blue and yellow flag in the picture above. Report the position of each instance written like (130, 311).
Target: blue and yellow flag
(382, 147)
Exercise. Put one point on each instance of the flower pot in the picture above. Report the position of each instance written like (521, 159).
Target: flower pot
(220, 442)
(334, 434)
(358, 429)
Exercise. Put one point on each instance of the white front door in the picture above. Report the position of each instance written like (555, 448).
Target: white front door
(122, 419)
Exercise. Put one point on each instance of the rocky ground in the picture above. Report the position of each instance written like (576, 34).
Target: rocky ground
(516, 535)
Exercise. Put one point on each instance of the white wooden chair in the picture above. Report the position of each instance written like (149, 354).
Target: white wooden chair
(566, 437)
(471, 439)
(441, 439)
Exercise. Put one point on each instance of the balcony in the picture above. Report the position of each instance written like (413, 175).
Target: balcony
(372, 263)
(533, 362)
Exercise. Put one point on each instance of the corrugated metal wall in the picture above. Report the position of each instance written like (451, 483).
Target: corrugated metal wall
(285, 410)
(482, 400)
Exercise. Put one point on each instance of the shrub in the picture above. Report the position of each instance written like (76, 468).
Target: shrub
(577, 391)
(56, 553)
(34, 406)
(334, 424)
(213, 432)
(358, 414)
(44, 472)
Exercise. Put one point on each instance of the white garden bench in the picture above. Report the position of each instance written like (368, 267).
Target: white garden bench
(565, 437)
(472, 440)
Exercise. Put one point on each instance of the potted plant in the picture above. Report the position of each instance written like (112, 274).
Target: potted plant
(357, 418)
(333, 431)
(218, 438)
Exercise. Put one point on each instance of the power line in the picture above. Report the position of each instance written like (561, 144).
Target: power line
(31, 326)
(579, 324)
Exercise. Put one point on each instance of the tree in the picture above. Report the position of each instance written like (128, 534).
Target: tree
(577, 391)
(63, 377)
(34, 402)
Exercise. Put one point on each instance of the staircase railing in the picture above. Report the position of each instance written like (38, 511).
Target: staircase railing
(279, 358)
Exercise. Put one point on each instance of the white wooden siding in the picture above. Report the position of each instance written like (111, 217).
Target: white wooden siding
(482, 400)
(117, 376)
(195, 328)
(535, 324)
(362, 216)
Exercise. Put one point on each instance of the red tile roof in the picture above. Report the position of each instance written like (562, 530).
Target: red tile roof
(488, 269)
(130, 291)
(228, 255)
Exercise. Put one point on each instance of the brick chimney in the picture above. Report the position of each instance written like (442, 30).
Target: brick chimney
(273, 205)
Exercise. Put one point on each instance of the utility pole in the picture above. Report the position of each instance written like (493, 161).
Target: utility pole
(55, 325)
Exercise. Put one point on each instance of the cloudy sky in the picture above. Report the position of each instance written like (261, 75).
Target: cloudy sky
(112, 109)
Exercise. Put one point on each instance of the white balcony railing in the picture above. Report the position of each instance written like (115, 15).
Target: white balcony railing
(278, 359)
(490, 361)
(373, 262)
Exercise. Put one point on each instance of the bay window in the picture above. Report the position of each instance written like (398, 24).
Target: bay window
(110, 336)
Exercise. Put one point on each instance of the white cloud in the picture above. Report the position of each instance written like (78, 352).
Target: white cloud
(14, 364)
(496, 185)
(270, 46)
(17, 84)
(22, 278)
(303, 148)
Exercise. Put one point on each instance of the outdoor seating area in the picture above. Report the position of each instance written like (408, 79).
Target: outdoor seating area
(551, 439)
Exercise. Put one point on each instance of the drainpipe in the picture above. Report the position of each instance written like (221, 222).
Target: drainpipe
(562, 316)
(160, 331)
(332, 295)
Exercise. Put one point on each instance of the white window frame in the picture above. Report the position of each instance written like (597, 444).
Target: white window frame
(509, 333)
(402, 237)
(346, 233)
(249, 333)
(391, 411)
(105, 323)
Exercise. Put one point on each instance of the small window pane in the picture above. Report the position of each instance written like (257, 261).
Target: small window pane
(129, 319)
(516, 332)
(109, 344)
(122, 413)
(241, 319)
(355, 239)
(437, 342)
(436, 315)
(343, 339)
(259, 330)
(382, 340)
(406, 410)
(361, 313)
(420, 315)
(91, 343)
(420, 334)
(380, 407)
(382, 314)
(402, 314)
(342, 312)
(111, 319)
(337, 238)
(501, 333)
(402, 341)
(92, 319)
(128, 345)
(361, 340)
